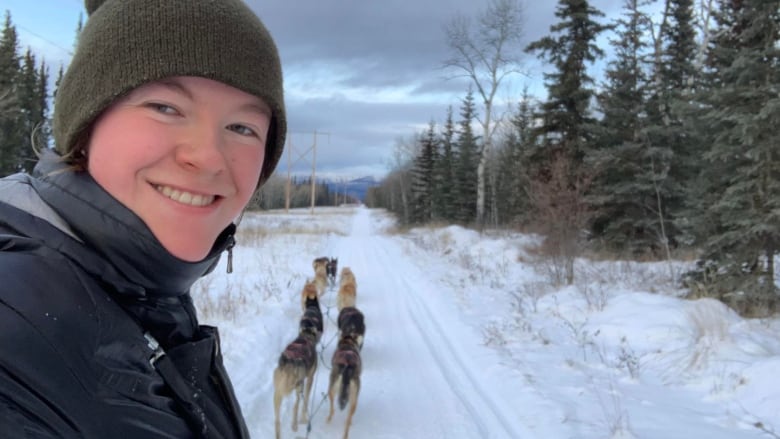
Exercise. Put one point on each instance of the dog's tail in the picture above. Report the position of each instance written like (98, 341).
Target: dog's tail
(347, 377)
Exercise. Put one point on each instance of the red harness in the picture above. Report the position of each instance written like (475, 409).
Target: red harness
(299, 349)
(346, 358)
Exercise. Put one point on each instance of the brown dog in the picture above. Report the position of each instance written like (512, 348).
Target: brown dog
(345, 378)
(309, 295)
(321, 274)
(347, 294)
(347, 276)
(295, 371)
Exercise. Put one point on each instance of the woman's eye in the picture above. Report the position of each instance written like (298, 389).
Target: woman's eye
(242, 129)
(162, 108)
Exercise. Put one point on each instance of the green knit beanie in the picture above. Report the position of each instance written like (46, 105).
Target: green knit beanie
(127, 43)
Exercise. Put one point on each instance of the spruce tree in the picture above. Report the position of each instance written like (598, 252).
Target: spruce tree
(444, 194)
(33, 111)
(10, 116)
(672, 150)
(423, 177)
(624, 195)
(9, 56)
(511, 197)
(466, 165)
(566, 120)
(43, 133)
(739, 207)
(679, 69)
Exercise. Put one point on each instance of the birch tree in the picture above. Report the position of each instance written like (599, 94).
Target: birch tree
(486, 52)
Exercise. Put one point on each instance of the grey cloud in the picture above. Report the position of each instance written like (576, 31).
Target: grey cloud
(394, 44)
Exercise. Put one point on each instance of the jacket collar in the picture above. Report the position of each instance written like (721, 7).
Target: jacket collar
(142, 267)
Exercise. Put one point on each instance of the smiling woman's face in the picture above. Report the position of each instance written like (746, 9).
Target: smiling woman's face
(185, 155)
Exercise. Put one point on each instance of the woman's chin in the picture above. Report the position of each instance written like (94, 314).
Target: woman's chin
(187, 251)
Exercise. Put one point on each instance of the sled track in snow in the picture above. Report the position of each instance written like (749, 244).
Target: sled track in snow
(443, 348)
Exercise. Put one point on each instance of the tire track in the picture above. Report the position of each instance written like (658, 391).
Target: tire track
(386, 272)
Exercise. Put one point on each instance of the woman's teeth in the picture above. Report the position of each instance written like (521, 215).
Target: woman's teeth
(185, 197)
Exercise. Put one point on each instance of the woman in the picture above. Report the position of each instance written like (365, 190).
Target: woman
(168, 118)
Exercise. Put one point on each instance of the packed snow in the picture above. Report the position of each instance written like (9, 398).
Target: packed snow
(468, 336)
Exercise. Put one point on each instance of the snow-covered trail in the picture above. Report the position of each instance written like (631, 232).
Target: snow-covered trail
(425, 372)
(418, 382)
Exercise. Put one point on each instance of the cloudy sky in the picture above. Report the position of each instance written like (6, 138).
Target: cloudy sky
(361, 73)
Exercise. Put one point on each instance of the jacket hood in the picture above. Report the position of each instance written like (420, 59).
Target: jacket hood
(116, 245)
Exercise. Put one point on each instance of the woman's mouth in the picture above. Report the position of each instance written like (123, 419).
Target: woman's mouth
(185, 197)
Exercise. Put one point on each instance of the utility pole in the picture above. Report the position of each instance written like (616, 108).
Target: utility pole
(313, 171)
(301, 156)
(288, 183)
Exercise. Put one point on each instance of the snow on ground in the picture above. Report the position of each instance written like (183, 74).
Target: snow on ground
(468, 338)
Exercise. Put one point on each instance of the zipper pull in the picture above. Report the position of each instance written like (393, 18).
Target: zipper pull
(230, 246)
(157, 350)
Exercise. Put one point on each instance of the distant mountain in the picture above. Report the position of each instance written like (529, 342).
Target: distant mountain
(356, 188)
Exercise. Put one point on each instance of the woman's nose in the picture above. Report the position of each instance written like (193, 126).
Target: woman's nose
(202, 148)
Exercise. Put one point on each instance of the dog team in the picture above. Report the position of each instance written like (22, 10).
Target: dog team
(298, 361)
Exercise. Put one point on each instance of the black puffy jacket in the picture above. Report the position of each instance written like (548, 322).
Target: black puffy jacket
(98, 334)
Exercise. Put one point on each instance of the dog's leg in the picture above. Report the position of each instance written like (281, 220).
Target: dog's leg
(298, 391)
(334, 385)
(354, 390)
(277, 400)
(307, 394)
(277, 404)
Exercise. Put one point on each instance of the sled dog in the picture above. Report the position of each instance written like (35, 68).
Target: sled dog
(347, 294)
(345, 378)
(309, 295)
(311, 319)
(332, 269)
(297, 365)
(322, 260)
(321, 274)
(351, 323)
(347, 276)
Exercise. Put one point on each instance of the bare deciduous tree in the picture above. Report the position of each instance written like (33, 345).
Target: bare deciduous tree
(403, 154)
(486, 56)
(561, 212)
(703, 22)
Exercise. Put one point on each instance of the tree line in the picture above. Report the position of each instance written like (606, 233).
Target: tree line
(24, 103)
(676, 148)
(278, 193)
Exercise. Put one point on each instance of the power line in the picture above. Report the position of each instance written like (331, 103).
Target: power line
(68, 51)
